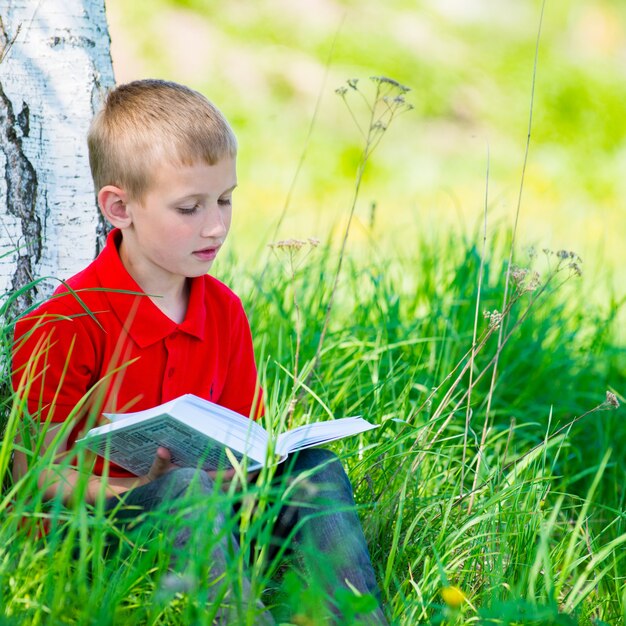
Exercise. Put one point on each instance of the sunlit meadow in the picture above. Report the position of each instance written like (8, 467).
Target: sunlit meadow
(403, 253)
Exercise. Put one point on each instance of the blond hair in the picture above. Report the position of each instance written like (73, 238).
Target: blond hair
(147, 122)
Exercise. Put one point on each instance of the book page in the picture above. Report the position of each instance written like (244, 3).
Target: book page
(318, 433)
(134, 447)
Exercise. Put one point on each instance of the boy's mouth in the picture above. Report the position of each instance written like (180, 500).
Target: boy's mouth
(207, 254)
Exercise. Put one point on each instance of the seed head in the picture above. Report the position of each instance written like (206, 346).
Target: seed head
(294, 250)
(573, 258)
(611, 400)
(524, 280)
(294, 244)
(534, 282)
(494, 317)
(576, 269)
(518, 274)
(384, 80)
(288, 244)
(394, 100)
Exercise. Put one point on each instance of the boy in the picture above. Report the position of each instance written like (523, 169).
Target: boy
(144, 323)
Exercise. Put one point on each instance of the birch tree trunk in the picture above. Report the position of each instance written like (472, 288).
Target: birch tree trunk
(54, 67)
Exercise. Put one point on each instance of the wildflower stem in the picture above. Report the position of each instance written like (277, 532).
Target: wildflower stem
(494, 373)
(376, 127)
(296, 360)
(468, 411)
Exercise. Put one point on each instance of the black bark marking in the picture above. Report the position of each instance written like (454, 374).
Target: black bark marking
(23, 119)
(21, 198)
(68, 39)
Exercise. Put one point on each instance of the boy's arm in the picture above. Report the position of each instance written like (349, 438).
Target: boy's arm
(241, 392)
(53, 366)
(58, 481)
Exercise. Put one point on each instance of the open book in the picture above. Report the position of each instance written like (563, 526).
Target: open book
(197, 433)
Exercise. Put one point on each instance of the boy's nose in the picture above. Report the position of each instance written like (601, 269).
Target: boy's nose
(215, 224)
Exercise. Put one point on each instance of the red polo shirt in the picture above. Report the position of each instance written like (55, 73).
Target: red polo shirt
(104, 336)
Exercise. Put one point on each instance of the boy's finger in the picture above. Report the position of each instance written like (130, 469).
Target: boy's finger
(164, 454)
(161, 464)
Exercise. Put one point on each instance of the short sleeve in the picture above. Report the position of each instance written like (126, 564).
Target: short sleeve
(241, 391)
(53, 363)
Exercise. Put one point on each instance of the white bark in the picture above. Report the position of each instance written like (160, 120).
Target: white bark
(55, 65)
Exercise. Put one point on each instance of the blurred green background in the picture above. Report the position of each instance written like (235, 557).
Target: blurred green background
(273, 66)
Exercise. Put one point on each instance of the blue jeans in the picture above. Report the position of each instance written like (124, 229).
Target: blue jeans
(316, 525)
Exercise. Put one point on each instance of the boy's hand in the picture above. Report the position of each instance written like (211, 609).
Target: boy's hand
(162, 465)
(226, 477)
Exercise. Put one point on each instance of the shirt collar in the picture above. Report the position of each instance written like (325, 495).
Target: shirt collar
(142, 319)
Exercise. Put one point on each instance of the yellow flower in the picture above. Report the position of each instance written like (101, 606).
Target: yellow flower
(453, 597)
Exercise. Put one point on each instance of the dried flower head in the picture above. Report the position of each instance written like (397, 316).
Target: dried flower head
(494, 317)
(576, 269)
(524, 280)
(295, 251)
(518, 274)
(391, 100)
(387, 101)
(611, 400)
(534, 282)
(288, 244)
(295, 244)
(384, 80)
(567, 254)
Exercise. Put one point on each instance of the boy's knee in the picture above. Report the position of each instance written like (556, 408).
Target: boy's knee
(322, 464)
(185, 480)
(312, 458)
(322, 468)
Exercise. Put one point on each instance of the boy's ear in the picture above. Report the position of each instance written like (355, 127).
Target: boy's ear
(112, 202)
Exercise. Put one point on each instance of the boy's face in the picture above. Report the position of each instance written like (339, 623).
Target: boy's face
(180, 224)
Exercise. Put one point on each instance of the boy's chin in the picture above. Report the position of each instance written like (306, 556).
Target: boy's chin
(201, 271)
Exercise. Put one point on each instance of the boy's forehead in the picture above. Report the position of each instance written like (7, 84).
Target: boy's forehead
(219, 176)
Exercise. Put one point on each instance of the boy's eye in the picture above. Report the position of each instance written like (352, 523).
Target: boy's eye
(225, 201)
(187, 210)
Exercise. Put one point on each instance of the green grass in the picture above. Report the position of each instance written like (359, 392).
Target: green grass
(511, 491)
(542, 541)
